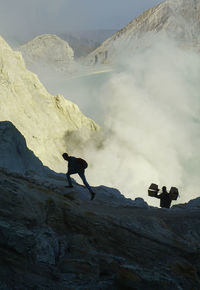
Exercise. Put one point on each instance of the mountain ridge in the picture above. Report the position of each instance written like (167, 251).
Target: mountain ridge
(175, 18)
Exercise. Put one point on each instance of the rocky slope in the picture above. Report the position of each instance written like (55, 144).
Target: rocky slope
(45, 120)
(47, 51)
(14, 154)
(179, 19)
(55, 238)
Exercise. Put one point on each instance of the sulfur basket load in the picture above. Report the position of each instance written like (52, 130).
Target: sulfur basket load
(173, 193)
(153, 189)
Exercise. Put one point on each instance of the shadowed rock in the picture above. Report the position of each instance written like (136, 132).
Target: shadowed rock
(55, 238)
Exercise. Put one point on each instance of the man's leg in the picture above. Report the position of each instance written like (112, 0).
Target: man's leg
(69, 180)
(82, 176)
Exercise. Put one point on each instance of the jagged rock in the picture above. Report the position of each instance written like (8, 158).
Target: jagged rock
(178, 19)
(45, 120)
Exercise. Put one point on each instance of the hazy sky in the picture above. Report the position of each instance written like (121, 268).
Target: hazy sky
(33, 17)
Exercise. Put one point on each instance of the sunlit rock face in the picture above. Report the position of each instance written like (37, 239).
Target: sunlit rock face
(43, 119)
(47, 51)
(179, 19)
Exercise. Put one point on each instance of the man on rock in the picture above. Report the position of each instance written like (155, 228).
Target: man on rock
(77, 166)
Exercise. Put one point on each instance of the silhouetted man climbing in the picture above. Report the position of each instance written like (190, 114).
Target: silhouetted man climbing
(165, 200)
(77, 165)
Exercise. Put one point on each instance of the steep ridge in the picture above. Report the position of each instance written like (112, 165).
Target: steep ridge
(43, 119)
(179, 19)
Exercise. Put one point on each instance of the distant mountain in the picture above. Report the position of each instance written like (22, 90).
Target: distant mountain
(81, 46)
(179, 19)
(47, 51)
(98, 35)
(44, 120)
(84, 42)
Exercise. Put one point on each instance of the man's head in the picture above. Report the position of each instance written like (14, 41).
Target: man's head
(164, 189)
(65, 156)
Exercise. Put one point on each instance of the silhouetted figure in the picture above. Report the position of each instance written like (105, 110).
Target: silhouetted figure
(165, 200)
(77, 166)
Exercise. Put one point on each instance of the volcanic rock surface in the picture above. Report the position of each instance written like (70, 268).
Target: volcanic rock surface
(56, 238)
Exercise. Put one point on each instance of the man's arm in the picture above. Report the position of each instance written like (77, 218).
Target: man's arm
(158, 195)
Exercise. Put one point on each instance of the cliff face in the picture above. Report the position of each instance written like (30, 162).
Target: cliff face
(179, 19)
(43, 119)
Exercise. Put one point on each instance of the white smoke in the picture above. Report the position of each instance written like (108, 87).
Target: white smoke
(153, 120)
(149, 109)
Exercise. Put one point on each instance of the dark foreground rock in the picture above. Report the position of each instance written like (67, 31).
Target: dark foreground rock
(50, 239)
